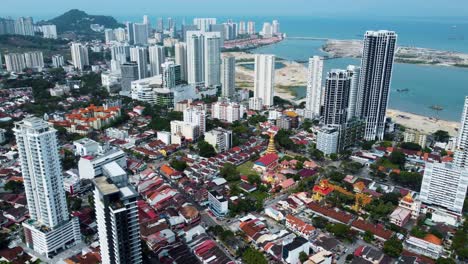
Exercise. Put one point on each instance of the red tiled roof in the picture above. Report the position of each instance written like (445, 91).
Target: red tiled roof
(377, 230)
(337, 215)
(267, 159)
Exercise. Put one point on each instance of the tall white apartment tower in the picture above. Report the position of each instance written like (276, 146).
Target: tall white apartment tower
(15, 62)
(203, 24)
(180, 50)
(314, 87)
(374, 84)
(228, 76)
(444, 185)
(264, 84)
(156, 59)
(353, 72)
(140, 56)
(212, 56)
(251, 28)
(140, 33)
(117, 217)
(461, 152)
(79, 55)
(196, 117)
(195, 58)
(49, 229)
(336, 96)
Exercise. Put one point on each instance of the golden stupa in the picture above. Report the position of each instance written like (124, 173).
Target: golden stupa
(271, 149)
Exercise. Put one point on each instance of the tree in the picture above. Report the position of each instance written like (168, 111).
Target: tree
(316, 154)
(349, 257)
(14, 186)
(254, 179)
(206, 149)
(334, 156)
(178, 165)
(367, 145)
(319, 222)
(445, 261)
(338, 229)
(398, 158)
(76, 204)
(253, 256)
(408, 178)
(410, 146)
(393, 247)
(368, 236)
(303, 257)
(441, 136)
(229, 172)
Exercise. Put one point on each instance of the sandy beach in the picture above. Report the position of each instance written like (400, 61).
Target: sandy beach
(295, 74)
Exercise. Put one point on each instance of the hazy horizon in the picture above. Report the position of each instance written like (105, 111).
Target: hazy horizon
(262, 8)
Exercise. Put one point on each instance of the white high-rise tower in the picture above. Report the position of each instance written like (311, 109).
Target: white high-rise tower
(374, 84)
(195, 59)
(50, 228)
(461, 153)
(212, 56)
(79, 55)
(264, 86)
(314, 87)
(140, 56)
(228, 76)
(180, 50)
(156, 59)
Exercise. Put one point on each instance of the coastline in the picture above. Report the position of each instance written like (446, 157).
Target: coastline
(294, 74)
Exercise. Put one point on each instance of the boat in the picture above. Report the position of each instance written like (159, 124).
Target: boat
(436, 107)
(403, 90)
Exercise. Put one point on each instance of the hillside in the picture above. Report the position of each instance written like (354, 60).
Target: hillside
(21, 44)
(79, 22)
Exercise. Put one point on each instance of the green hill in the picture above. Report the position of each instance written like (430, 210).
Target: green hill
(79, 22)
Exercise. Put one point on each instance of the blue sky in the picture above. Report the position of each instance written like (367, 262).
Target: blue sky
(389, 8)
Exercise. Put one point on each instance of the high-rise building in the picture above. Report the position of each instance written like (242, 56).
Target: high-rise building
(181, 59)
(109, 35)
(117, 216)
(251, 28)
(203, 24)
(242, 28)
(181, 131)
(130, 73)
(140, 31)
(15, 62)
(24, 26)
(353, 72)
(156, 59)
(374, 82)
(328, 138)
(130, 33)
(170, 74)
(160, 25)
(49, 31)
(49, 229)
(120, 34)
(444, 185)
(7, 26)
(120, 52)
(220, 139)
(196, 116)
(79, 55)
(461, 152)
(267, 30)
(220, 28)
(140, 56)
(230, 31)
(264, 86)
(212, 54)
(34, 60)
(228, 76)
(195, 58)
(147, 22)
(336, 96)
(275, 27)
(314, 87)
(226, 110)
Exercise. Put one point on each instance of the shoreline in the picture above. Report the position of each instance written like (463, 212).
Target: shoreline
(294, 74)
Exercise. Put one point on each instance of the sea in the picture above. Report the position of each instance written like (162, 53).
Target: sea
(426, 85)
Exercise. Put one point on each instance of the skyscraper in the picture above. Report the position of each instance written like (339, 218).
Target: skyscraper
(34, 60)
(353, 72)
(156, 59)
(130, 33)
(242, 29)
(314, 87)
(160, 25)
(336, 97)
(264, 84)
(129, 74)
(140, 31)
(251, 28)
(461, 152)
(374, 83)
(50, 228)
(267, 30)
(203, 24)
(195, 58)
(24, 26)
(58, 61)
(120, 52)
(79, 55)
(212, 60)
(196, 117)
(228, 76)
(444, 185)
(275, 27)
(140, 56)
(180, 50)
(171, 74)
(117, 216)
(49, 31)
(15, 62)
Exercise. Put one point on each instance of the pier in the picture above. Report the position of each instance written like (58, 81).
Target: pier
(307, 38)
